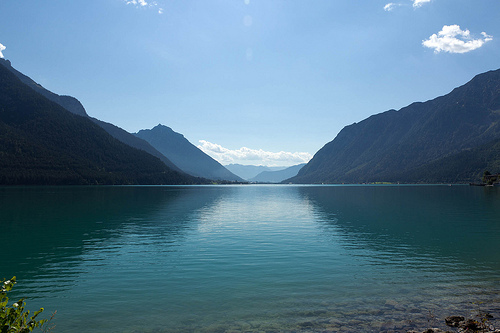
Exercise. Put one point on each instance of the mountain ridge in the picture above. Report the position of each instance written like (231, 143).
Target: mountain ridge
(42, 143)
(249, 171)
(388, 145)
(278, 175)
(74, 106)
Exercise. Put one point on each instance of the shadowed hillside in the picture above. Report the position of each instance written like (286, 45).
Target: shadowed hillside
(43, 143)
(435, 141)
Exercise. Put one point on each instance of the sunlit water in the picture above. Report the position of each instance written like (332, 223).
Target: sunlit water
(252, 258)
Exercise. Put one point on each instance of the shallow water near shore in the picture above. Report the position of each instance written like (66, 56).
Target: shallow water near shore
(275, 258)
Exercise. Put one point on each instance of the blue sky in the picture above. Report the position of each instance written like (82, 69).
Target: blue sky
(250, 81)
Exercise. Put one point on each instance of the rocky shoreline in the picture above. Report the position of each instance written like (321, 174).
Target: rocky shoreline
(481, 323)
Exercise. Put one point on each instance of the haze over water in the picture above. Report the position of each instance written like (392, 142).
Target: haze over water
(252, 258)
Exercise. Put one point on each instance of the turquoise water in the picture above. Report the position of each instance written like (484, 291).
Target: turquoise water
(252, 258)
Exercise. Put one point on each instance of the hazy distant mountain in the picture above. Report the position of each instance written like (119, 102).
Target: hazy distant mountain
(277, 176)
(43, 143)
(74, 106)
(184, 154)
(249, 171)
(437, 141)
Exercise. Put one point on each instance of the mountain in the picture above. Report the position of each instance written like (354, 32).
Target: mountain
(133, 141)
(249, 171)
(414, 144)
(277, 176)
(69, 103)
(43, 143)
(184, 154)
(74, 106)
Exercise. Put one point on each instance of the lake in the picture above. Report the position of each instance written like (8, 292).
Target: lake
(277, 258)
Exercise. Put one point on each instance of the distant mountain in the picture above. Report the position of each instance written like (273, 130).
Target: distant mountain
(277, 176)
(441, 140)
(249, 171)
(74, 106)
(42, 143)
(184, 154)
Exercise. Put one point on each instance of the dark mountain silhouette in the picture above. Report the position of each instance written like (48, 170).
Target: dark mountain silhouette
(249, 171)
(42, 143)
(69, 103)
(184, 154)
(74, 106)
(440, 140)
(277, 176)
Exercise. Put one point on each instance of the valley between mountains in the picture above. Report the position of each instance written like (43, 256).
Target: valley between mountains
(49, 139)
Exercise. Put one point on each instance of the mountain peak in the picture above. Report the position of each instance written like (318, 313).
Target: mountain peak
(6, 62)
(184, 154)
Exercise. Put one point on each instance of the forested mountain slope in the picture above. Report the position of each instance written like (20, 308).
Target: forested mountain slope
(400, 145)
(43, 143)
(74, 106)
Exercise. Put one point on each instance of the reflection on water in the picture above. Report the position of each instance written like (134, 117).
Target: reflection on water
(457, 223)
(250, 258)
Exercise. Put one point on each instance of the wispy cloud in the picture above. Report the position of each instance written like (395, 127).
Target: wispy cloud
(419, 3)
(257, 157)
(145, 3)
(452, 39)
(416, 4)
(1, 49)
(137, 2)
(390, 6)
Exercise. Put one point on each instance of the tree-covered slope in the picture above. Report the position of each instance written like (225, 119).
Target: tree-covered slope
(185, 155)
(73, 105)
(43, 143)
(392, 145)
(69, 103)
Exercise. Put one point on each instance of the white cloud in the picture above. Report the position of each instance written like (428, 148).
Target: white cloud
(419, 3)
(137, 2)
(416, 4)
(246, 155)
(145, 3)
(1, 49)
(390, 6)
(454, 40)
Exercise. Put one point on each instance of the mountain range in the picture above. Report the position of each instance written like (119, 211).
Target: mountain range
(47, 138)
(452, 138)
(74, 106)
(194, 162)
(42, 143)
(248, 172)
(278, 175)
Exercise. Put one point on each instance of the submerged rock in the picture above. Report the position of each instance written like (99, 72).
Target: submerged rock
(472, 325)
(454, 321)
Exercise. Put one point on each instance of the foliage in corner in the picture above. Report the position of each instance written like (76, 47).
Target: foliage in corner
(15, 319)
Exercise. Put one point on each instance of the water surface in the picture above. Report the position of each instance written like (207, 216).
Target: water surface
(252, 258)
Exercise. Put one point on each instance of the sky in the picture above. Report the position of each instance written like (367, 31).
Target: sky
(262, 82)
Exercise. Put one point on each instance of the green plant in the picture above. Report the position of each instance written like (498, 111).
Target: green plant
(14, 319)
